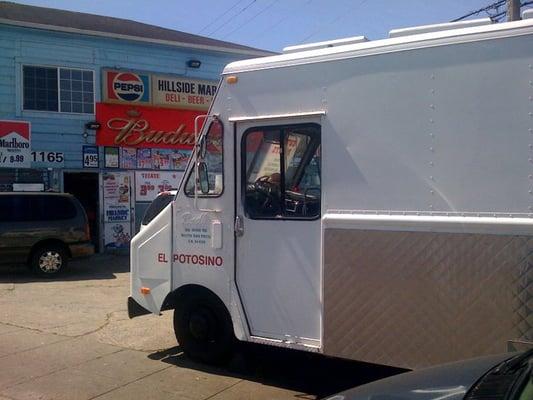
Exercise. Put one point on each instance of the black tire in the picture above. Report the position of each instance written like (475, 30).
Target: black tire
(49, 260)
(203, 328)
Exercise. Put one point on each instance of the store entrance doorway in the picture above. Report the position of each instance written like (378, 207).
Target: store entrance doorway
(84, 186)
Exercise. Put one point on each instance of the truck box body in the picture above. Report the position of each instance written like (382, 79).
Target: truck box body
(420, 248)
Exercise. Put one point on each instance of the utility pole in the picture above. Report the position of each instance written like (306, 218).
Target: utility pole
(513, 10)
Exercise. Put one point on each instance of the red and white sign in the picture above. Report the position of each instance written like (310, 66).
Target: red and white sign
(148, 184)
(149, 127)
(15, 144)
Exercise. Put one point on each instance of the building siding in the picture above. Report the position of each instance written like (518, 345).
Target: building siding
(63, 132)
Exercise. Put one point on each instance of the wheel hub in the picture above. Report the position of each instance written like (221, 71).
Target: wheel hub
(200, 325)
(50, 261)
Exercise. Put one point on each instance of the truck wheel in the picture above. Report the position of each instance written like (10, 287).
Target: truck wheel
(49, 260)
(204, 329)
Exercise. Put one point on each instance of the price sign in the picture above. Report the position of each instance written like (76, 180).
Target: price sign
(90, 157)
(47, 158)
(15, 144)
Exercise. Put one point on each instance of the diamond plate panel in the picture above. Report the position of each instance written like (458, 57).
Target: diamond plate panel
(414, 299)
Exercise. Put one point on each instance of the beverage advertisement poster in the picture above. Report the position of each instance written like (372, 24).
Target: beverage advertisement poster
(128, 158)
(161, 158)
(179, 158)
(117, 196)
(149, 183)
(144, 158)
(117, 235)
(111, 157)
(15, 144)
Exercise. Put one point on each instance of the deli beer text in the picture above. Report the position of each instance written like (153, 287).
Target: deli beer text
(191, 92)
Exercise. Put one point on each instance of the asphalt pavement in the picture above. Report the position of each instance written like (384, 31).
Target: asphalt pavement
(71, 338)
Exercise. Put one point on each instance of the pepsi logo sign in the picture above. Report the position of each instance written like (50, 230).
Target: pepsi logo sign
(127, 87)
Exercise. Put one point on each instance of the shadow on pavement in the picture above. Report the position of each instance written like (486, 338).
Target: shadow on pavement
(98, 266)
(289, 369)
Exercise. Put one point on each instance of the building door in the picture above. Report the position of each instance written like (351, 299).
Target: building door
(84, 186)
(278, 220)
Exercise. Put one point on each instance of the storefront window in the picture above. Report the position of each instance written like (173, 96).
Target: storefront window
(74, 94)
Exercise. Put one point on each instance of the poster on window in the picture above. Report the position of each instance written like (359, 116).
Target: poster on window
(128, 158)
(149, 183)
(179, 158)
(15, 144)
(161, 158)
(144, 158)
(117, 196)
(111, 157)
(117, 235)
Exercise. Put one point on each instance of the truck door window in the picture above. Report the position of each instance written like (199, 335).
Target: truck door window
(214, 161)
(282, 172)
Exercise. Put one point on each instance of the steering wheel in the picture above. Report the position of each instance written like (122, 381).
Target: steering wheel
(268, 193)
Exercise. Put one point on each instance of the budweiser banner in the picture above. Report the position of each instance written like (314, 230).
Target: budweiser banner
(145, 127)
(15, 147)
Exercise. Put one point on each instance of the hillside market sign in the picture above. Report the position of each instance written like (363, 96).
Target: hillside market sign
(166, 91)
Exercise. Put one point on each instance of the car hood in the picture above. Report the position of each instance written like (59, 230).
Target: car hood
(444, 382)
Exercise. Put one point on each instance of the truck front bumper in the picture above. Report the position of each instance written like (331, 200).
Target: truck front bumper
(135, 309)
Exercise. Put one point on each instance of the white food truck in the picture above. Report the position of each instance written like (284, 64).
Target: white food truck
(370, 200)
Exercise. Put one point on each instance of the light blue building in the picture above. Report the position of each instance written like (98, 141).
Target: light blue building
(52, 67)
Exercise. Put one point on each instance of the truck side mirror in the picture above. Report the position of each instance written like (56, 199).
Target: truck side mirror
(202, 147)
(203, 177)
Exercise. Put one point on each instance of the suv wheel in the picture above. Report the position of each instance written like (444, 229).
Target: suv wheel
(48, 261)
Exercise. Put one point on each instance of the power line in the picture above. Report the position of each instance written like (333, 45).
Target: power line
(220, 16)
(338, 17)
(250, 19)
(497, 15)
(476, 12)
(236, 15)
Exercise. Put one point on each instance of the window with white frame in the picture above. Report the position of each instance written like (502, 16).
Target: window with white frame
(65, 90)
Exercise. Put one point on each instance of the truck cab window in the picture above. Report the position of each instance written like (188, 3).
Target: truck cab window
(282, 172)
(213, 159)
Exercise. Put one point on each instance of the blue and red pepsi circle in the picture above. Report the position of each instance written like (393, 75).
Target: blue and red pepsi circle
(128, 86)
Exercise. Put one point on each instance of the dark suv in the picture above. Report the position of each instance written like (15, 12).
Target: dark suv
(43, 230)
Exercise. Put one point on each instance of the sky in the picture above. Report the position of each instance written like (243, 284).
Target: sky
(274, 24)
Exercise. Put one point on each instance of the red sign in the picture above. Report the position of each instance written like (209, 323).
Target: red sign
(151, 127)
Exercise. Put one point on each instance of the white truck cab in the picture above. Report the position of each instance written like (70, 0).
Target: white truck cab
(362, 199)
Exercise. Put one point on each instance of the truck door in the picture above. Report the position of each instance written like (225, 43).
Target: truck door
(278, 229)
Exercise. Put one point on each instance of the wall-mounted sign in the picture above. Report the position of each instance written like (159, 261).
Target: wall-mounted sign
(90, 157)
(149, 127)
(15, 144)
(125, 87)
(149, 183)
(52, 159)
(172, 91)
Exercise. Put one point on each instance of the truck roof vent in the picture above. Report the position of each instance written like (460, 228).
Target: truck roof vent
(439, 27)
(527, 14)
(326, 44)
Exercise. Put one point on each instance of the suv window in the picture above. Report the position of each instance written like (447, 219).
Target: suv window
(22, 208)
(281, 170)
(159, 203)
